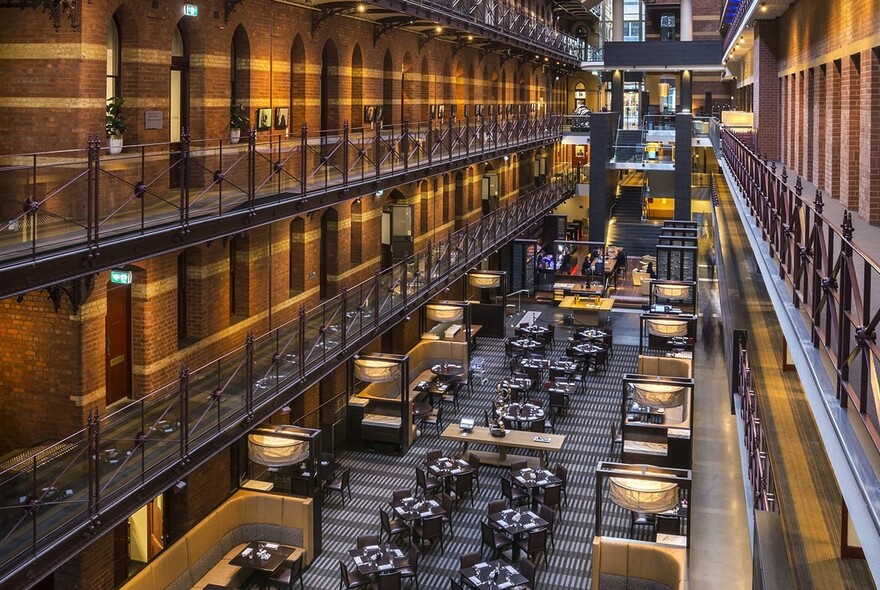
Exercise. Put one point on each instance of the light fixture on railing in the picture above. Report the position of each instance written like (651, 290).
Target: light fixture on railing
(376, 370)
(440, 312)
(643, 495)
(483, 280)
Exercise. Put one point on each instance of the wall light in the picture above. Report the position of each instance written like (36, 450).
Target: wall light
(763, 7)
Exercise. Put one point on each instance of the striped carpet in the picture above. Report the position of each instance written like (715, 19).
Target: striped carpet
(586, 426)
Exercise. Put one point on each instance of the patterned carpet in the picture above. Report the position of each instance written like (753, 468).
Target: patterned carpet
(586, 427)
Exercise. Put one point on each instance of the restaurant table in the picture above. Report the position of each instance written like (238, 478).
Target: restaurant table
(588, 310)
(492, 575)
(374, 559)
(273, 555)
(447, 467)
(515, 522)
(413, 508)
(591, 334)
(520, 413)
(533, 331)
(566, 387)
(218, 587)
(448, 369)
(534, 479)
(517, 439)
(585, 349)
(525, 343)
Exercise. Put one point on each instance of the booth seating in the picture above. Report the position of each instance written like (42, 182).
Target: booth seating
(202, 555)
(643, 280)
(422, 357)
(638, 565)
(665, 366)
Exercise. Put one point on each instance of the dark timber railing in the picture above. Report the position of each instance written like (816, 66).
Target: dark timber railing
(68, 214)
(55, 500)
(831, 280)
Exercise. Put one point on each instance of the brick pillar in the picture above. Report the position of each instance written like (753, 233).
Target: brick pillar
(783, 123)
(817, 140)
(809, 123)
(849, 136)
(869, 140)
(788, 110)
(798, 154)
(91, 569)
(766, 89)
(832, 126)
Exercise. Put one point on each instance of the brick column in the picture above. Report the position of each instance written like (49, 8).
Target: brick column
(783, 121)
(869, 140)
(832, 124)
(817, 139)
(806, 112)
(849, 132)
(91, 569)
(766, 91)
(788, 110)
(798, 112)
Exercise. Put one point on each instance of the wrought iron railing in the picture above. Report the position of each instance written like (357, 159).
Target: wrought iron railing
(730, 37)
(82, 200)
(832, 281)
(65, 489)
(754, 439)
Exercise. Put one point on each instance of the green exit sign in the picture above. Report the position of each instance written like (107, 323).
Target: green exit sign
(190, 10)
(120, 277)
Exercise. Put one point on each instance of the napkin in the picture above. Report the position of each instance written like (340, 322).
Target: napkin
(528, 525)
(502, 522)
(371, 547)
(510, 568)
(475, 581)
(358, 560)
(409, 499)
(386, 566)
(543, 482)
(481, 565)
(272, 546)
(428, 513)
(506, 584)
(247, 552)
(455, 471)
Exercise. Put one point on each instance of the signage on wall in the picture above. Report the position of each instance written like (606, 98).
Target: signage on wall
(190, 10)
(120, 276)
(153, 120)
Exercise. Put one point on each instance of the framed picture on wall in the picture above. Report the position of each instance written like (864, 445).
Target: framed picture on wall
(478, 110)
(441, 108)
(264, 119)
(369, 114)
(491, 109)
(282, 115)
(453, 110)
(377, 114)
(467, 110)
(432, 112)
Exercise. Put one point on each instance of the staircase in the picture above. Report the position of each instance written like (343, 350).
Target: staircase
(628, 205)
(637, 238)
(628, 147)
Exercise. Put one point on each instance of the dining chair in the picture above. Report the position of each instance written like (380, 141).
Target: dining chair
(392, 527)
(562, 473)
(430, 528)
(550, 497)
(411, 570)
(474, 462)
(469, 560)
(464, 484)
(550, 516)
(518, 465)
(367, 540)
(535, 543)
(398, 495)
(494, 540)
(351, 579)
(341, 484)
(494, 507)
(435, 419)
(287, 574)
(446, 504)
(515, 496)
(387, 582)
(454, 585)
(527, 569)
(616, 439)
(433, 455)
(427, 483)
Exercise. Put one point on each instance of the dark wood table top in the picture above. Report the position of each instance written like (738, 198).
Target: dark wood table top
(522, 412)
(534, 478)
(273, 557)
(515, 521)
(447, 369)
(413, 508)
(218, 587)
(373, 559)
(449, 467)
(481, 575)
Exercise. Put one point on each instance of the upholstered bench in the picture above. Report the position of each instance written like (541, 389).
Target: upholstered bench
(629, 564)
(202, 555)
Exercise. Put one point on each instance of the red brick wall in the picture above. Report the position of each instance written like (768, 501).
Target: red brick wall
(766, 88)
(90, 570)
(869, 139)
(849, 135)
(819, 127)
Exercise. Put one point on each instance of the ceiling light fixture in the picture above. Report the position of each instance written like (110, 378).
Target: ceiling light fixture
(362, 8)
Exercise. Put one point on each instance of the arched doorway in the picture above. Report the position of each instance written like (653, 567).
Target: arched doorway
(178, 100)
(357, 87)
(328, 256)
(397, 230)
(460, 208)
(297, 83)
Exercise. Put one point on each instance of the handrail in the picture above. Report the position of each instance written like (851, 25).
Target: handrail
(51, 497)
(830, 277)
(87, 203)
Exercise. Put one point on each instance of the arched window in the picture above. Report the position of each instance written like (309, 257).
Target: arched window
(114, 60)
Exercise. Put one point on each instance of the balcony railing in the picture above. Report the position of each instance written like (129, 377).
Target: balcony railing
(830, 278)
(53, 495)
(84, 202)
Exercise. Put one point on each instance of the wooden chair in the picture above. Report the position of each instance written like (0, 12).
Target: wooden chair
(469, 560)
(387, 582)
(427, 483)
(430, 528)
(562, 473)
(474, 462)
(494, 507)
(352, 579)
(550, 516)
(616, 439)
(392, 527)
(367, 540)
(446, 504)
(433, 455)
(411, 571)
(527, 569)
(287, 574)
(515, 496)
(341, 484)
(464, 484)
(535, 543)
(551, 497)
(493, 540)
(435, 419)
(518, 465)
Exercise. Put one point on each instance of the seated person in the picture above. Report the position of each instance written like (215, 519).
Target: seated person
(585, 267)
(650, 270)
(599, 266)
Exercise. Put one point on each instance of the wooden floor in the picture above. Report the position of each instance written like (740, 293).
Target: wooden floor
(809, 499)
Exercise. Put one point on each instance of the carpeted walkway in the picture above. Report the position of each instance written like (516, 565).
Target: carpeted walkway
(586, 427)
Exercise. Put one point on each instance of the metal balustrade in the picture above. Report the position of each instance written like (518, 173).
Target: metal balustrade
(831, 280)
(78, 208)
(53, 500)
(754, 441)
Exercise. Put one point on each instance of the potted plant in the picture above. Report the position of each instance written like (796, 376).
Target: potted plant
(115, 123)
(237, 121)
